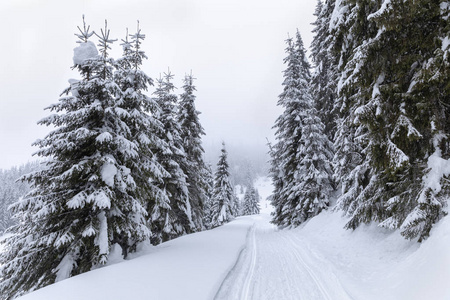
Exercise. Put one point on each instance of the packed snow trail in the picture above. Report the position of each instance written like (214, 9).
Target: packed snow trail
(275, 265)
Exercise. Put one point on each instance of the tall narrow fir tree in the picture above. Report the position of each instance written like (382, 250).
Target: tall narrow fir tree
(191, 135)
(223, 194)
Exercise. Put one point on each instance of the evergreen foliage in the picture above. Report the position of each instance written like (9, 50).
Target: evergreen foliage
(137, 113)
(432, 83)
(11, 190)
(251, 201)
(237, 205)
(171, 215)
(223, 197)
(301, 157)
(352, 157)
(411, 104)
(191, 135)
(323, 79)
(288, 132)
(391, 67)
(314, 168)
(207, 208)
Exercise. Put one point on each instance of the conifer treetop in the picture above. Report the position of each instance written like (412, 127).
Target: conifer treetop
(84, 34)
(104, 40)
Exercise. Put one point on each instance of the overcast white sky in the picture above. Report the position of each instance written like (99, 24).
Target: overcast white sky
(235, 49)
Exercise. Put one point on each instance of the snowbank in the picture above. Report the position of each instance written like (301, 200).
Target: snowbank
(374, 263)
(425, 274)
(191, 267)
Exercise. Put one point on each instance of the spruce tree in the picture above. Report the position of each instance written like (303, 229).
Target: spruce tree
(136, 110)
(323, 79)
(432, 84)
(85, 199)
(255, 208)
(301, 158)
(191, 135)
(11, 190)
(405, 108)
(207, 208)
(353, 172)
(223, 196)
(237, 205)
(390, 101)
(170, 216)
(246, 205)
(251, 201)
(374, 117)
(288, 132)
(314, 169)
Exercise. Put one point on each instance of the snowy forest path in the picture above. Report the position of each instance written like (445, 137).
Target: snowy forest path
(277, 265)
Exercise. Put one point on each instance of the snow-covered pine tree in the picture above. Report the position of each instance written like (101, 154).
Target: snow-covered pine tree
(323, 79)
(136, 111)
(378, 90)
(223, 194)
(302, 153)
(399, 109)
(191, 135)
(276, 173)
(237, 205)
(85, 198)
(432, 84)
(255, 208)
(314, 169)
(170, 216)
(246, 205)
(251, 201)
(288, 133)
(11, 189)
(314, 172)
(349, 29)
(207, 208)
(391, 102)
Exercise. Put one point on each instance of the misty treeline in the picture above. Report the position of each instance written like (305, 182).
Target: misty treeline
(120, 168)
(370, 125)
(11, 189)
(244, 170)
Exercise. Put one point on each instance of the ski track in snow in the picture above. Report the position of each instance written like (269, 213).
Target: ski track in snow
(319, 273)
(277, 265)
(249, 278)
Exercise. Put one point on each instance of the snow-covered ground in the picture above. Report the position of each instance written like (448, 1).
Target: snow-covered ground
(250, 259)
(189, 267)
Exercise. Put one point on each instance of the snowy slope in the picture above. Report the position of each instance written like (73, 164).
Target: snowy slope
(250, 259)
(371, 262)
(189, 267)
